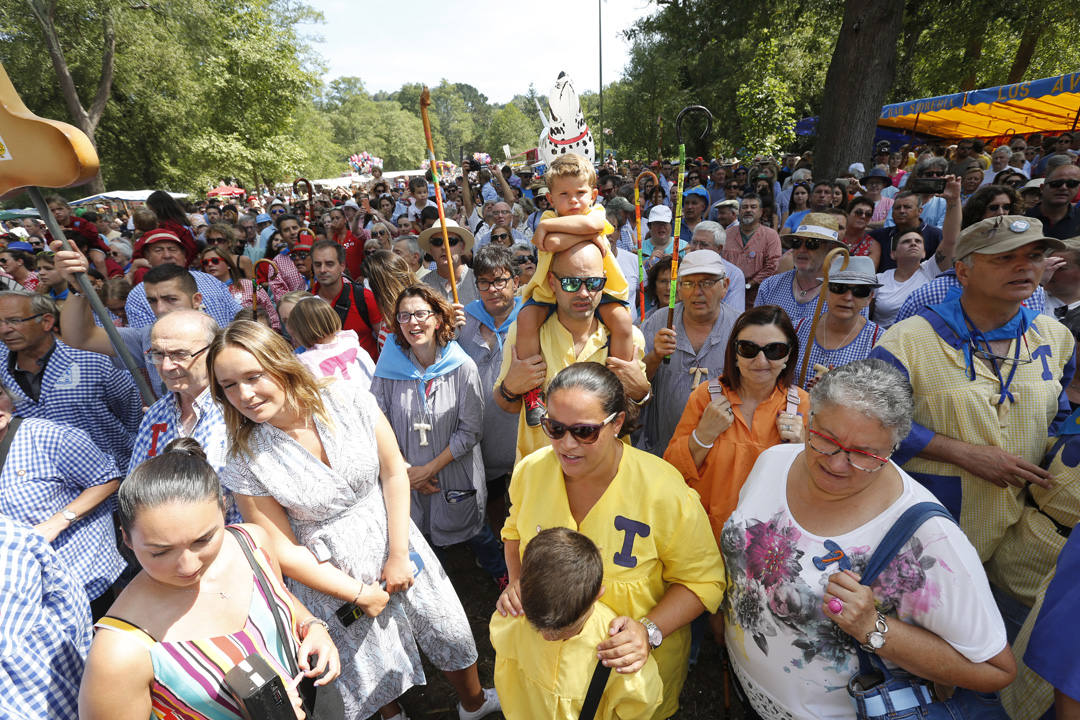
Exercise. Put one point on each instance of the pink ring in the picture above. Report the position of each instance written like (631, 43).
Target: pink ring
(836, 606)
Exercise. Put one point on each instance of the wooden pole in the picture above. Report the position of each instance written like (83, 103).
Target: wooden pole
(425, 100)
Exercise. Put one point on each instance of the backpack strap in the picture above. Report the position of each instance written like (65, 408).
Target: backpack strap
(595, 692)
(361, 304)
(793, 401)
(716, 388)
(9, 436)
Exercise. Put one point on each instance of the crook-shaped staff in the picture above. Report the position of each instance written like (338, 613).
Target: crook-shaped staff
(820, 303)
(310, 197)
(678, 204)
(640, 257)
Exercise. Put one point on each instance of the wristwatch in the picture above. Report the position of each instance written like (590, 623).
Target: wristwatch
(875, 639)
(655, 636)
(70, 515)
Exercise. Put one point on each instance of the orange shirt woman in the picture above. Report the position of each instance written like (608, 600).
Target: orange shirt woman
(729, 422)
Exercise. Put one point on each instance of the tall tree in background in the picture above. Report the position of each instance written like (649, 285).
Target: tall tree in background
(860, 74)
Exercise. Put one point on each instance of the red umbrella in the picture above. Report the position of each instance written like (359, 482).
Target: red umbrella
(226, 190)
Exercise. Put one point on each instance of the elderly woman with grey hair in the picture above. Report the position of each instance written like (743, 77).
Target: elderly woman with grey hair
(808, 519)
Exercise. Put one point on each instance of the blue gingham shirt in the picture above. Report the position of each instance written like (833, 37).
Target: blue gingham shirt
(44, 629)
(935, 291)
(779, 290)
(857, 349)
(161, 425)
(628, 237)
(87, 391)
(217, 301)
(47, 467)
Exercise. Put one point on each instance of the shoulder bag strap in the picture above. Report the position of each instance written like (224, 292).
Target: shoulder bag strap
(9, 436)
(264, 585)
(595, 691)
(361, 304)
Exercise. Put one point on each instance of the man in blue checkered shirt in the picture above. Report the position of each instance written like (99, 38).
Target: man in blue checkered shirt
(55, 479)
(50, 380)
(44, 629)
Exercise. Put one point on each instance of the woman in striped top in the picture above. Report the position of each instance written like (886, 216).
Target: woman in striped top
(195, 611)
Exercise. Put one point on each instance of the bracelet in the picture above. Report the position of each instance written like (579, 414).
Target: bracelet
(642, 401)
(356, 598)
(693, 434)
(313, 621)
(506, 394)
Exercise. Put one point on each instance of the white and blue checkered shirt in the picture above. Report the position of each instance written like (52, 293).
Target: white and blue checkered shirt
(934, 292)
(44, 629)
(47, 467)
(87, 391)
(216, 299)
(161, 425)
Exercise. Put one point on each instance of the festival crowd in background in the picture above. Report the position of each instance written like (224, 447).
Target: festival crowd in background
(705, 425)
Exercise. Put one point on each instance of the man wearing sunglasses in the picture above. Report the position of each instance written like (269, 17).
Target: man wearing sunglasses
(988, 378)
(461, 243)
(695, 343)
(1057, 213)
(573, 333)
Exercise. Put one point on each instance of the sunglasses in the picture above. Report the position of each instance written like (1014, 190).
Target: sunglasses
(211, 262)
(299, 255)
(381, 233)
(859, 291)
(1071, 183)
(1007, 207)
(501, 236)
(277, 211)
(216, 241)
(584, 433)
(863, 213)
(933, 174)
(773, 350)
(797, 242)
(573, 284)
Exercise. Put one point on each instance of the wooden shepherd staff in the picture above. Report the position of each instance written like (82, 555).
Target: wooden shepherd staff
(640, 258)
(820, 303)
(425, 100)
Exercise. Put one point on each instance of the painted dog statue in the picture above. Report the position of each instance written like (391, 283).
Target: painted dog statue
(565, 129)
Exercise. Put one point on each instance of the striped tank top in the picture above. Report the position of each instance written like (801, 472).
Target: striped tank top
(189, 674)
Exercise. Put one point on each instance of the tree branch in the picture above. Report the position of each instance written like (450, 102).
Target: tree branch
(63, 73)
(104, 89)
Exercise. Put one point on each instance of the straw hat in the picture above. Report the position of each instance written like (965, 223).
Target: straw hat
(428, 237)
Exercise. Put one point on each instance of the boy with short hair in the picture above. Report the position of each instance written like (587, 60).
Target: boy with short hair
(545, 660)
(418, 188)
(575, 218)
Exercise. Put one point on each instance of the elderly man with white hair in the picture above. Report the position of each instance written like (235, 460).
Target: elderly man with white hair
(709, 235)
(696, 343)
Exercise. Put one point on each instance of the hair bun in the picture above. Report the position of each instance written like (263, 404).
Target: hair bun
(186, 446)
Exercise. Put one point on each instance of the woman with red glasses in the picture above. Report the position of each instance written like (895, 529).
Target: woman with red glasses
(219, 263)
(808, 519)
(223, 237)
(661, 565)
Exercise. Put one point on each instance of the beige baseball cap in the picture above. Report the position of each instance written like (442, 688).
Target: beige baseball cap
(1001, 234)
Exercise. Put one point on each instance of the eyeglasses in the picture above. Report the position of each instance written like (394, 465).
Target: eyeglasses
(584, 433)
(573, 284)
(497, 283)
(795, 243)
(12, 322)
(859, 291)
(773, 350)
(421, 315)
(863, 213)
(500, 236)
(177, 356)
(524, 260)
(381, 233)
(858, 459)
(695, 284)
(277, 211)
(1071, 183)
(212, 262)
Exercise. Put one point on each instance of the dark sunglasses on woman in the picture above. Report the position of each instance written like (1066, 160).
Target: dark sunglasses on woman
(1071, 183)
(584, 433)
(795, 243)
(859, 291)
(773, 350)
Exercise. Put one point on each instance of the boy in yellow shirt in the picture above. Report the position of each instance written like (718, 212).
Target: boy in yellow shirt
(544, 660)
(576, 218)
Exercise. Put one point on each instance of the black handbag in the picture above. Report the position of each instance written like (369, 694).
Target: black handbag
(320, 703)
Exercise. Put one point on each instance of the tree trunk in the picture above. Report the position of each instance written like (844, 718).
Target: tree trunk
(861, 72)
(972, 52)
(85, 120)
(1033, 30)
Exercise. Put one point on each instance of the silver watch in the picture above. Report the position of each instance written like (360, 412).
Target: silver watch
(69, 515)
(875, 639)
(655, 636)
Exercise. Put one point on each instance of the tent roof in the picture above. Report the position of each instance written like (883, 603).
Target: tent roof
(129, 195)
(1049, 104)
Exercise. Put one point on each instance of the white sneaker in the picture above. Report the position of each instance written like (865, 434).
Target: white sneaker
(491, 704)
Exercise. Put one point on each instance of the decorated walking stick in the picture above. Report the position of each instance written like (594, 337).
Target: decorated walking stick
(640, 258)
(425, 100)
(35, 151)
(678, 205)
(310, 197)
(265, 271)
(820, 303)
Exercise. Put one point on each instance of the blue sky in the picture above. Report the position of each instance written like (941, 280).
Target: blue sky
(498, 47)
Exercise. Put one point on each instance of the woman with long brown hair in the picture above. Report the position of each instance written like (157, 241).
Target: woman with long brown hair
(387, 274)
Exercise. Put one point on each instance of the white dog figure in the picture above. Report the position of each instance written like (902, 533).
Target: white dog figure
(565, 129)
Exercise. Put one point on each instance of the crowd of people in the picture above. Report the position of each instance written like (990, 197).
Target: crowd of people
(648, 438)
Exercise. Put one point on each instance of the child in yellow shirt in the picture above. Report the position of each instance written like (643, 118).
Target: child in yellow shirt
(576, 218)
(544, 661)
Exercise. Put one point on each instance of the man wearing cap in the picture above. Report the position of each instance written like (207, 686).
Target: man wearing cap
(461, 243)
(695, 204)
(163, 247)
(753, 247)
(709, 235)
(726, 212)
(543, 204)
(573, 333)
(797, 289)
(715, 186)
(627, 237)
(989, 378)
(354, 303)
(1057, 213)
(696, 344)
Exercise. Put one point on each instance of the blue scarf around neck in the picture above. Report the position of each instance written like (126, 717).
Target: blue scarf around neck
(477, 310)
(394, 364)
